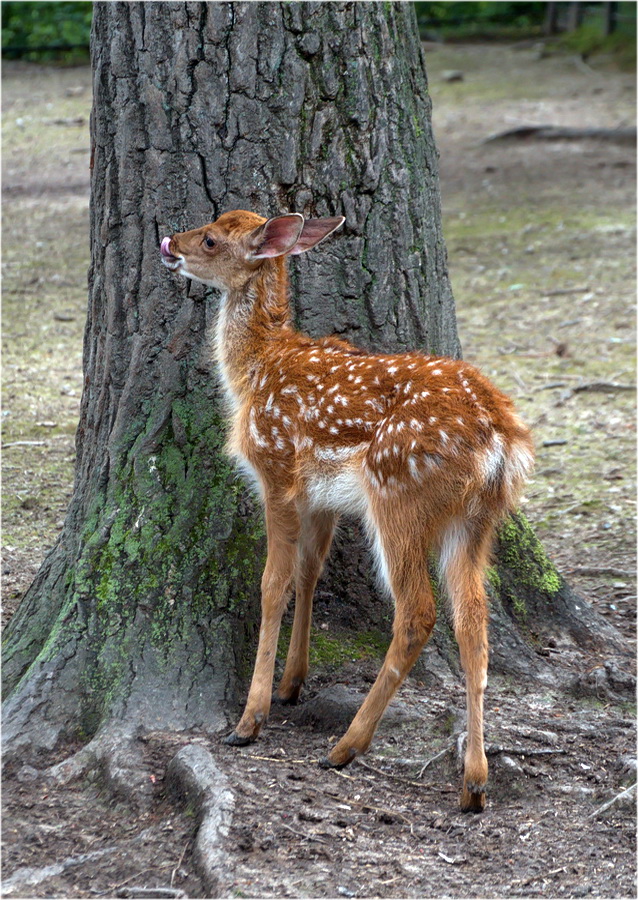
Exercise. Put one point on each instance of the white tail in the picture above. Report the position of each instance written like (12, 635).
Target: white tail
(424, 449)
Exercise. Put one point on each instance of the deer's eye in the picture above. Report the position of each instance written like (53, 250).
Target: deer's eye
(209, 242)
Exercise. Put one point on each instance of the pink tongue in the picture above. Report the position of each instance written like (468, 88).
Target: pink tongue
(164, 247)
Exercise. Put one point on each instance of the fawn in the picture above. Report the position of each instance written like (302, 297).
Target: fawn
(425, 450)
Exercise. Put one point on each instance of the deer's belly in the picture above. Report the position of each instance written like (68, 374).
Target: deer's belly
(341, 492)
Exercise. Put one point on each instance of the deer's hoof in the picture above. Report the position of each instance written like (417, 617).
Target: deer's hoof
(472, 801)
(340, 762)
(236, 740)
(290, 699)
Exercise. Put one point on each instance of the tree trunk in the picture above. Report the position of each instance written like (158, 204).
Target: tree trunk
(610, 18)
(574, 16)
(550, 24)
(142, 613)
(142, 610)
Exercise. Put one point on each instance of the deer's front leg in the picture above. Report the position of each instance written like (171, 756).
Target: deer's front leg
(282, 527)
(314, 543)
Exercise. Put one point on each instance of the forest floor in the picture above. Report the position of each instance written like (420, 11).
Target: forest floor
(541, 242)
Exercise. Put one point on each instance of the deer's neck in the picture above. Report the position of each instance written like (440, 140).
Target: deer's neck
(251, 320)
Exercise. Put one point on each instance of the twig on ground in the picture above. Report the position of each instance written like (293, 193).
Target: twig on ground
(156, 893)
(443, 752)
(121, 884)
(623, 795)
(388, 812)
(519, 381)
(302, 834)
(494, 749)
(602, 570)
(550, 386)
(542, 875)
(602, 386)
(561, 292)
(394, 777)
(280, 759)
(180, 861)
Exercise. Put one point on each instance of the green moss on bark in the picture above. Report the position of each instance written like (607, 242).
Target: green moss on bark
(172, 550)
(523, 572)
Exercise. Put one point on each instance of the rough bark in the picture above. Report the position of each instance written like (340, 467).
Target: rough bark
(142, 612)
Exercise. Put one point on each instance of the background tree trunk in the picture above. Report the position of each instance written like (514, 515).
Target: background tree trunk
(142, 612)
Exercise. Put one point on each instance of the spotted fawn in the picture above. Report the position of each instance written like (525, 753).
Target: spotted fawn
(423, 449)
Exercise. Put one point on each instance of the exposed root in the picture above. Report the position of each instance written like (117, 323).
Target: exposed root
(623, 797)
(116, 754)
(27, 877)
(193, 776)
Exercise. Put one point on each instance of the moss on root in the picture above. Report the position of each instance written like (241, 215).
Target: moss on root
(523, 569)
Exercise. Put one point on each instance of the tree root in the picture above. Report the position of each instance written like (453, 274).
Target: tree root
(27, 877)
(193, 776)
(116, 754)
(623, 797)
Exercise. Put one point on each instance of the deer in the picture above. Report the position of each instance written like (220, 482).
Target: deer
(424, 450)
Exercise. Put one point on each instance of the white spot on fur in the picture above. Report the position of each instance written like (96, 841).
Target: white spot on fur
(304, 443)
(338, 454)
(454, 540)
(520, 463)
(493, 458)
(381, 565)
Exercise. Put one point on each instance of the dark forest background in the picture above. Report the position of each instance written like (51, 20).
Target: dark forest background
(59, 31)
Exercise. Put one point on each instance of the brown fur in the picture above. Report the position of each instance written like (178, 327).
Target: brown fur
(425, 449)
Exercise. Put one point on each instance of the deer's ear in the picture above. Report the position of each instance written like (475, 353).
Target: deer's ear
(275, 237)
(314, 231)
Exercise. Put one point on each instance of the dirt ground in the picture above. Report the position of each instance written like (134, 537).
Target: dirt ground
(541, 242)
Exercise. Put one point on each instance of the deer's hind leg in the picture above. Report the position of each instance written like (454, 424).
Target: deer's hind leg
(464, 554)
(317, 530)
(401, 545)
